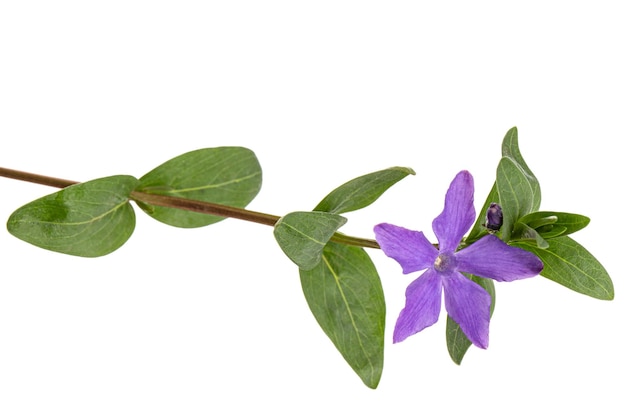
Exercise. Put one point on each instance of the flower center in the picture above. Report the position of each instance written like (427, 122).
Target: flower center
(445, 262)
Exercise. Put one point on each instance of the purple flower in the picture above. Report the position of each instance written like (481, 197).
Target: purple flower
(494, 217)
(466, 302)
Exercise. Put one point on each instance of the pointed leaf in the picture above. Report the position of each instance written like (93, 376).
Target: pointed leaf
(510, 149)
(516, 194)
(362, 191)
(538, 219)
(88, 219)
(226, 175)
(527, 234)
(552, 231)
(457, 342)
(568, 263)
(545, 221)
(302, 235)
(346, 297)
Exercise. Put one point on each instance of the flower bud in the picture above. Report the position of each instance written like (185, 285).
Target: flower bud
(494, 217)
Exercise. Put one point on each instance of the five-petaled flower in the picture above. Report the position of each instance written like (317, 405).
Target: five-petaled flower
(467, 303)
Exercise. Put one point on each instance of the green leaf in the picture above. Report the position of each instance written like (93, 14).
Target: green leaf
(551, 231)
(457, 342)
(516, 194)
(302, 235)
(538, 219)
(362, 191)
(525, 233)
(226, 175)
(346, 297)
(546, 222)
(510, 149)
(88, 219)
(568, 263)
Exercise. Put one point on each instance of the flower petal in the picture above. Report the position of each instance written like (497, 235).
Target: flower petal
(490, 257)
(409, 248)
(468, 304)
(458, 212)
(423, 305)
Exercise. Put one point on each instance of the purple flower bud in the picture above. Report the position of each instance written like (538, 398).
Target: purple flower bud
(494, 217)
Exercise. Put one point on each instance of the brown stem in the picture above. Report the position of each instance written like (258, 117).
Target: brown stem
(185, 204)
(204, 207)
(35, 178)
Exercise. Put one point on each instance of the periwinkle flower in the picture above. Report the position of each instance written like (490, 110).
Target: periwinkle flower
(466, 302)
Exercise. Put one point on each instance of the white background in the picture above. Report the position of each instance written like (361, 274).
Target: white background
(212, 321)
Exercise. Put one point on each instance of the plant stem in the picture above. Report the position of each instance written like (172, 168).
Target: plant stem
(185, 204)
(204, 207)
(35, 178)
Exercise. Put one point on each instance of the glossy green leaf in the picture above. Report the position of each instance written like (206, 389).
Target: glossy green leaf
(525, 233)
(538, 219)
(88, 219)
(568, 263)
(226, 175)
(457, 342)
(515, 192)
(510, 149)
(346, 297)
(362, 191)
(551, 231)
(546, 221)
(302, 235)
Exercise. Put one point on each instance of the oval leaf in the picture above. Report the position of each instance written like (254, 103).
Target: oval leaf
(362, 191)
(226, 175)
(89, 219)
(510, 149)
(302, 235)
(515, 192)
(568, 263)
(346, 297)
